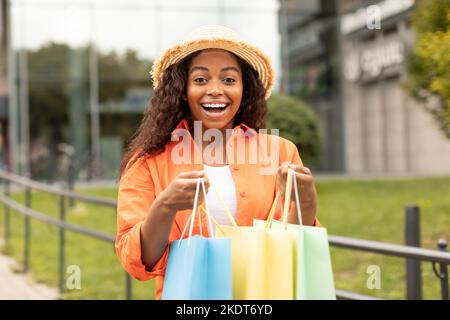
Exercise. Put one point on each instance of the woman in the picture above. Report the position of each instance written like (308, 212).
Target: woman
(211, 85)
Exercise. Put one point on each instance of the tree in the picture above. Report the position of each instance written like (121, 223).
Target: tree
(296, 122)
(429, 64)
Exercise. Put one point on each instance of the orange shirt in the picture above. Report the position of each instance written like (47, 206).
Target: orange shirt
(256, 188)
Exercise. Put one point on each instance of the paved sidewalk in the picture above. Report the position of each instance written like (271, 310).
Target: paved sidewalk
(19, 286)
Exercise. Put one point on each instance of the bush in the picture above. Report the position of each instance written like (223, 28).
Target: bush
(298, 123)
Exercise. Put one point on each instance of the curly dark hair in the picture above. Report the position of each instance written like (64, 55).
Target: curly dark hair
(167, 108)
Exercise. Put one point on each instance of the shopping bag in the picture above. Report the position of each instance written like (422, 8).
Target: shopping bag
(262, 261)
(313, 274)
(198, 268)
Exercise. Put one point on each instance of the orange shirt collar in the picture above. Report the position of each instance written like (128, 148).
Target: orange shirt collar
(184, 125)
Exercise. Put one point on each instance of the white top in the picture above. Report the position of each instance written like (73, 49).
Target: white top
(222, 180)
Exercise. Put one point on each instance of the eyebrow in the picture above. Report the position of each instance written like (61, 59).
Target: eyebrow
(206, 69)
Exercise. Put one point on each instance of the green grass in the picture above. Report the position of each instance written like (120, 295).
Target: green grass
(371, 210)
(374, 210)
(102, 276)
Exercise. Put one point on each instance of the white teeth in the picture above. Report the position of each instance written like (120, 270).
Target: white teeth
(210, 105)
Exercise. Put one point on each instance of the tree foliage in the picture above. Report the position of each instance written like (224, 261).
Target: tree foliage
(296, 122)
(429, 64)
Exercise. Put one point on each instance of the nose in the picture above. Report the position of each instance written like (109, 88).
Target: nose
(215, 88)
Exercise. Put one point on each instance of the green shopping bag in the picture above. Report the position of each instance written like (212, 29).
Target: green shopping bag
(313, 274)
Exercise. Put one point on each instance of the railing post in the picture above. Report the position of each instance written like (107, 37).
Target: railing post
(62, 217)
(128, 286)
(443, 275)
(27, 231)
(413, 267)
(6, 211)
(71, 180)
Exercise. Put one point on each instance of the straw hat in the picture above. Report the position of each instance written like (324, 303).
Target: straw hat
(217, 37)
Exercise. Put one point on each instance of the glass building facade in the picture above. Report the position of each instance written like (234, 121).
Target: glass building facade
(78, 74)
(311, 69)
(348, 59)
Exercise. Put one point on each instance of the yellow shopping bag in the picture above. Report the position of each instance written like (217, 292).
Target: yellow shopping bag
(313, 273)
(261, 261)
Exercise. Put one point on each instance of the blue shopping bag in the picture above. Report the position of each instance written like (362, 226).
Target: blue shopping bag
(198, 268)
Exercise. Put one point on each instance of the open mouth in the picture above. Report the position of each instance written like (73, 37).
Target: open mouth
(214, 107)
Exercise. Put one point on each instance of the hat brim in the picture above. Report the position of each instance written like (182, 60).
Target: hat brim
(249, 53)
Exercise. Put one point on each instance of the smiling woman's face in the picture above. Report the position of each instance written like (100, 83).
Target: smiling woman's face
(214, 88)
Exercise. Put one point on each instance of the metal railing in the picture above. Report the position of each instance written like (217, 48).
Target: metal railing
(401, 251)
(8, 178)
(440, 257)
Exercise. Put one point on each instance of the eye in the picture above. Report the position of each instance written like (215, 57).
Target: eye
(200, 80)
(229, 80)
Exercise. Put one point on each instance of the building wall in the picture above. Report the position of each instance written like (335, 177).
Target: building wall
(429, 149)
(387, 131)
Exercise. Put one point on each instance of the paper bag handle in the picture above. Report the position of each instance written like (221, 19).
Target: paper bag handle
(224, 205)
(191, 219)
(214, 221)
(291, 182)
(272, 210)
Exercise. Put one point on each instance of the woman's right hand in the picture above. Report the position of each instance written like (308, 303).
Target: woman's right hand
(155, 231)
(180, 193)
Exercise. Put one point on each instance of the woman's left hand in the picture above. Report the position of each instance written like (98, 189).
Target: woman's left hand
(306, 189)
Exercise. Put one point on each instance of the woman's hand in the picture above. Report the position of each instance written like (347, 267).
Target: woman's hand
(155, 230)
(306, 189)
(180, 193)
